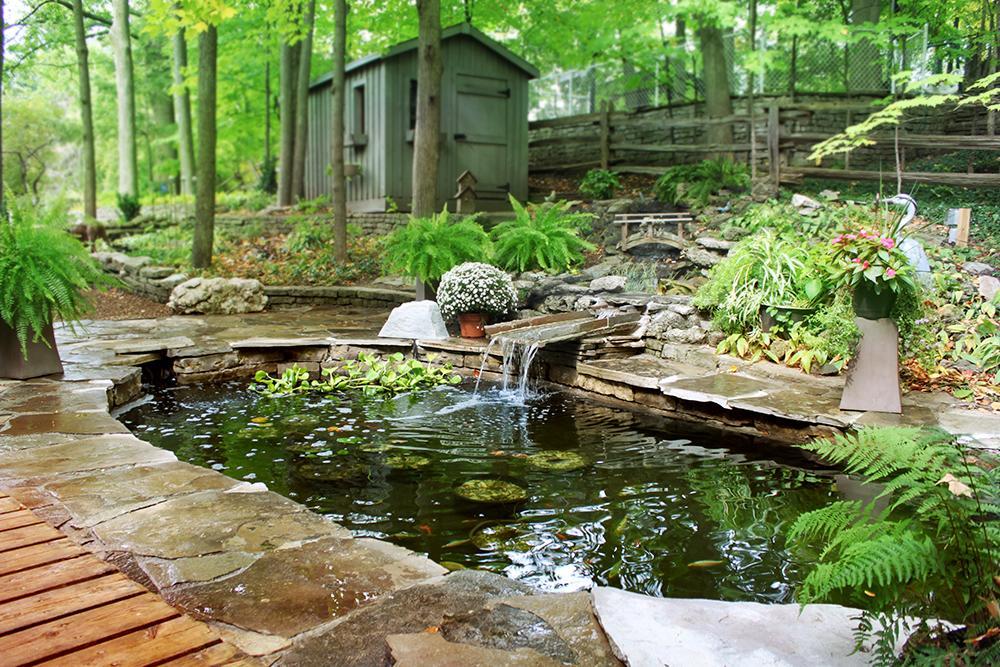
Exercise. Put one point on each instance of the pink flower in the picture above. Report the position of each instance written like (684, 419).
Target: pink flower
(888, 243)
(838, 239)
(890, 273)
(856, 260)
(862, 234)
(865, 265)
(850, 237)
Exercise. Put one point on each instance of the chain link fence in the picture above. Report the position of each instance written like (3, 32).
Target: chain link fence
(796, 66)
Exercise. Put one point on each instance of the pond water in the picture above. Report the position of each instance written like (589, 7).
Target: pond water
(612, 497)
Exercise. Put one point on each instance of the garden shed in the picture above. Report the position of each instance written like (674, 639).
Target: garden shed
(484, 124)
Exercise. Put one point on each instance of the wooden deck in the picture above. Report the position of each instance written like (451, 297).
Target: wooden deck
(61, 605)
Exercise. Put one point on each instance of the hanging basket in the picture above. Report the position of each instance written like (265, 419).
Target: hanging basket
(473, 325)
(871, 304)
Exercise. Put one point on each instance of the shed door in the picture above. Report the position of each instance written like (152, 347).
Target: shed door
(481, 133)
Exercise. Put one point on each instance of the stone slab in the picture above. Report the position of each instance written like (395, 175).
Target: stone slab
(652, 632)
(429, 648)
(279, 343)
(63, 422)
(79, 456)
(150, 345)
(719, 388)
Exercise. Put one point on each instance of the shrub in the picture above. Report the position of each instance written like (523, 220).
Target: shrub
(268, 180)
(544, 236)
(696, 184)
(244, 200)
(923, 544)
(309, 234)
(474, 287)
(600, 184)
(129, 206)
(44, 271)
(428, 247)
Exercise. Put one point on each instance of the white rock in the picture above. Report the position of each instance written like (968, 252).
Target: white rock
(415, 319)
(988, 287)
(608, 284)
(218, 295)
(801, 201)
(651, 632)
(713, 243)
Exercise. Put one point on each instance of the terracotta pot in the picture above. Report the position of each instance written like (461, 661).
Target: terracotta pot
(42, 359)
(872, 305)
(472, 325)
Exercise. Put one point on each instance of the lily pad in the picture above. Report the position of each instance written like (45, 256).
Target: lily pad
(491, 492)
(557, 460)
(407, 461)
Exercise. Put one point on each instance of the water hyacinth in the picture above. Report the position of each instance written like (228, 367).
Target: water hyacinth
(475, 287)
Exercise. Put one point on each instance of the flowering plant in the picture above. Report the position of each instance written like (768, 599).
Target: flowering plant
(867, 255)
(474, 287)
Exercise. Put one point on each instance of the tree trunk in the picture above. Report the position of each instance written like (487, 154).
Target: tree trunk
(125, 86)
(286, 153)
(302, 105)
(267, 113)
(679, 76)
(2, 26)
(86, 116)
(339, 188)
(182, 113)
(162, 167)
(864, 70)
(752, 127)
(427, 134)
(204, 225)
(718, 103)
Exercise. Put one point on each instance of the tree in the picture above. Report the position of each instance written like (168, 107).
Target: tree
(302, 104)
(864, 71)
(182, 112)
(718, 103)
(289, 76)
(125, 85)
(204, 225)
(3, 27)
(339, 188)
(426, 140)
(86, 115)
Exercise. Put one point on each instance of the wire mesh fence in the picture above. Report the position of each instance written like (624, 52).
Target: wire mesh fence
(787, 66)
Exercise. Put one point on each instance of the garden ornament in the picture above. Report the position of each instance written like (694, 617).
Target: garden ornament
(911, 247)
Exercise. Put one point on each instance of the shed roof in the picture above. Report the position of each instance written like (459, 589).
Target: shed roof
(466, 29)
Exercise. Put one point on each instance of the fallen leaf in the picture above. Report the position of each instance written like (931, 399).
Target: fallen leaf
(989, 634)
(497, 452)
(869, 594)
(993, 608)
(705, 563)
(432, 629)
(259, 420)
(956, 486)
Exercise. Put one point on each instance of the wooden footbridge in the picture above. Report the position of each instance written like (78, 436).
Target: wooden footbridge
(61, 605)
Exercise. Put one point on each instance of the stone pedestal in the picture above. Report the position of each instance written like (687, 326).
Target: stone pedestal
(873, 379)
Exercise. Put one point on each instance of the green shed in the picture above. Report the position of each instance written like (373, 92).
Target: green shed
(484, 124)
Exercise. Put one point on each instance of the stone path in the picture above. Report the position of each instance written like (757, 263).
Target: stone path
(283, 583)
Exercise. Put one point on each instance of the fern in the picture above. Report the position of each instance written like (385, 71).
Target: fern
(426, 248)
(44, 271)
(925, 545)
(697, 184)
(544, 236)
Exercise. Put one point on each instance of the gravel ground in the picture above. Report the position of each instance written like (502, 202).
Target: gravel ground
(117, 304)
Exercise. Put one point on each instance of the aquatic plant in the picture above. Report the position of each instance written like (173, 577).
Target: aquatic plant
(369, 374)
(491, 492)
(476, 288)
(924, 543)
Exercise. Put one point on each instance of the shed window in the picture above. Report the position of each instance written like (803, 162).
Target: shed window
(359, 125)
(413, 104)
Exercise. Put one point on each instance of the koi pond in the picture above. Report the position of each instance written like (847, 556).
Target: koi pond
(587, 493)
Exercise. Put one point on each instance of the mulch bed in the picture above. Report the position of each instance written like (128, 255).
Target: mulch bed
(117, 304)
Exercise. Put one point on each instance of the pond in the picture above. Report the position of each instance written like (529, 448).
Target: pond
(612, 497)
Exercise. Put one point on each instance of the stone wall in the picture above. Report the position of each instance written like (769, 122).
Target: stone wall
(370, 224)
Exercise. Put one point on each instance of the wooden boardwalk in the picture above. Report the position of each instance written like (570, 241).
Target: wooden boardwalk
(61, 605)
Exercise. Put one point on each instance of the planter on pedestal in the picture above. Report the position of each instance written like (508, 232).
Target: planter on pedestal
(42, 359)
(473, 325)
(870, 304)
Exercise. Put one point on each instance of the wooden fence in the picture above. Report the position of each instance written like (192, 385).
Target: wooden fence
(777, 137)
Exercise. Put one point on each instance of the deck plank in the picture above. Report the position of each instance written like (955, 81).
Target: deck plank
(38, 554)
(28, 535)
(51, 576)
(38, 608)
(18, 519)
(8, 504)
(171, 639)
(214, 656)
(84, 629)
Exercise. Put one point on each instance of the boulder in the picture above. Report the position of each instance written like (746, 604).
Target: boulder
(714, 244)
(804, 203)
(702, 257)
(608, 284)
(224, 296)
(978, 268)
(988, 287)
(415, 319)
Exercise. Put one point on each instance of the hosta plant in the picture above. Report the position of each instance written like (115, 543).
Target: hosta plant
(474, 287)
(369, 374)
(427, 247)
(44, 271)
(541, 236)
(922, 545)
(600, 184)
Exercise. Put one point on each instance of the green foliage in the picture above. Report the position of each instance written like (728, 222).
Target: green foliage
(428, 247)
(761, 269)
(309, 234)
(369, 374)
(268, 180)
(600, 184)
(244, 200)
(170, 246)
(922, 545)
(542, 236)
(44, 271)
(697, 184)
(129, 206)
(312, 206)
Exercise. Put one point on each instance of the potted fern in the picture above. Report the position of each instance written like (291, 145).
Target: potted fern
(472, 292)
(44, 272)
(425, 248)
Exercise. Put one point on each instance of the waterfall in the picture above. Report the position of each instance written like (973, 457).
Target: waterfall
(515, 354)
